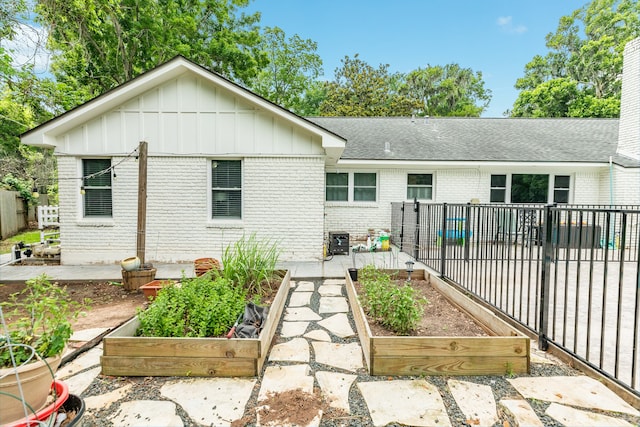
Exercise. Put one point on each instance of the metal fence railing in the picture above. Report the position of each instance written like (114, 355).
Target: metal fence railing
(568, 273)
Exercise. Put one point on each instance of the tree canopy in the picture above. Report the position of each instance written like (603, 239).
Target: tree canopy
(579, 77)
(99, 44)
(290, 78)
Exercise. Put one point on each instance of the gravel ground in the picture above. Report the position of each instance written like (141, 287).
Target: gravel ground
(149, 388)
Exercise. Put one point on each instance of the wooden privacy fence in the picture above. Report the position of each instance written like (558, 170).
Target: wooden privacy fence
(15, 213)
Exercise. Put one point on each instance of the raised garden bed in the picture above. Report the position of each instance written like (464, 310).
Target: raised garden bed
(504, 351)
(125, 354)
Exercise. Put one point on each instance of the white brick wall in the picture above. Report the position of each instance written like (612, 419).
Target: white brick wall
(450, 186)
(629, 128)
(283, 200)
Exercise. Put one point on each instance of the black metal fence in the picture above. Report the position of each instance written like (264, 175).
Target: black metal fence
(569, 273)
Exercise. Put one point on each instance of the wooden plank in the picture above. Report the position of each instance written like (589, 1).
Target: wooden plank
(449, 346)
(178, 366)
(181, 347)
(127, 329)
(458, 365)
(360, 320)
(275, 312)
(481, 314)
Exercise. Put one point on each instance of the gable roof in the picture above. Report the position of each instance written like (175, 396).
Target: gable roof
(45, 133)
(478, 139)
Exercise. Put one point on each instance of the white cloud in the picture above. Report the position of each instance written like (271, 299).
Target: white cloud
(507, 25)
(28, 47)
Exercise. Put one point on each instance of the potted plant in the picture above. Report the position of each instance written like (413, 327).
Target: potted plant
(32, 346)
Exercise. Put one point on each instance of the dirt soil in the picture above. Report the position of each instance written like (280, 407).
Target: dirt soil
(440, 317)
(107, 304)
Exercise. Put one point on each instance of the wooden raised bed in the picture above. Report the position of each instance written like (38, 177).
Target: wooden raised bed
(124, 354)
(506, 351)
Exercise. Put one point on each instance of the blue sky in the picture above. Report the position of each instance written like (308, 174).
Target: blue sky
(495, 37)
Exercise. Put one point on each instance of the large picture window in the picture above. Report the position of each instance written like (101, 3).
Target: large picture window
(420, 186)
(530, 188)
(226, 189)
(97, 188)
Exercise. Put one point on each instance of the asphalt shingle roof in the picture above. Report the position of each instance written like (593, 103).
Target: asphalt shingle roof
(476, 139)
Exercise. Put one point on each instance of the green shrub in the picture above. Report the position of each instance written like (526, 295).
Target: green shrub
(45, 326)
(395, 306)
(251, 264)
(205, 306)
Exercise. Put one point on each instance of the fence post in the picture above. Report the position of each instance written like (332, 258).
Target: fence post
(443, 242)
(547, 251)
(467, 232)
(416, 242)
(402, 228)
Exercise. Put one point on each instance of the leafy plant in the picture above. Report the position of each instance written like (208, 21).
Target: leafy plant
(251, 264)
(205, 306)
(394, 306)
(45, 326)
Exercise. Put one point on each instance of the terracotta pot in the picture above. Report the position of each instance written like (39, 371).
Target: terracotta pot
(130, 264)
(202, 265)
(151, 289)
(35, 379)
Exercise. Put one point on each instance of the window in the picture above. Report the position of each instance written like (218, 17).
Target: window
(337, 187)
(530, 188)
(351, 187)
(97, 187)
(226, 189)
(561, 188)
(420, 186)
(498, 189)
(364, 187)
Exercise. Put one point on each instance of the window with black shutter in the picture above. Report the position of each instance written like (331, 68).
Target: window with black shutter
(97, 187)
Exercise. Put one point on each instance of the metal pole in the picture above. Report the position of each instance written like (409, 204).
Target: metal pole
(416, 243)
(543, 343)
(443, 242)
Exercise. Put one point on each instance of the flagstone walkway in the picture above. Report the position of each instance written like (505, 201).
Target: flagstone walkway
(317, 349)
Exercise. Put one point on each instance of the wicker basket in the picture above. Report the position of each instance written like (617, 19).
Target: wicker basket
(203, 265)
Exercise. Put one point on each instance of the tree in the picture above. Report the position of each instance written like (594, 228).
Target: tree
(448, 91)
(100, 44)
(290, 77)
(361, 90)
(24, 102)
(584, 63)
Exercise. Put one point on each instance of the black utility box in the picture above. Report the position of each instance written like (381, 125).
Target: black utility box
(338, 243)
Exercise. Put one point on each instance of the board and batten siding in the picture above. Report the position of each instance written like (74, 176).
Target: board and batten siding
(187, 122)
(189, 116)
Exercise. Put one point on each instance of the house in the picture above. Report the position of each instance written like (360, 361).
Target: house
(224, 162)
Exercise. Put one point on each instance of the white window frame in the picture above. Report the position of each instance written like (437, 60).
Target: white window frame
(229, 221)
(84, 188)
(351, 184)
(550, 189)
(433, 185)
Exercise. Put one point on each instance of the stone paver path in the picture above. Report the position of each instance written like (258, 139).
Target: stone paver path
(319, 349)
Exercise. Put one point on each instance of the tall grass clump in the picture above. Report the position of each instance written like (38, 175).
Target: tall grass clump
(251, 263)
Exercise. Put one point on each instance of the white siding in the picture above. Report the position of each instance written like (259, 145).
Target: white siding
(449, 186)
(189, 116)
(282, 200)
